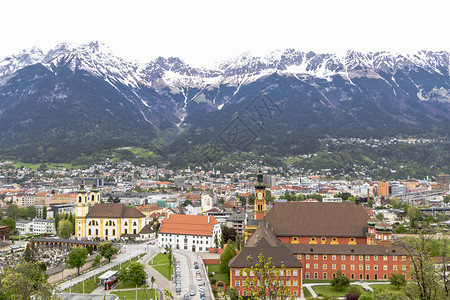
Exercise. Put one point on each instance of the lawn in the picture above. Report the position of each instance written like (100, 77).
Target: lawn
(132, 294)
(329, 291)
(386, 287)
(89, 286)
(306, 293)
(50, 166)
(161, 264)
(124, 265)
(217, 275)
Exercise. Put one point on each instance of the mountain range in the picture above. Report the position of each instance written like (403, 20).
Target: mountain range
(78, 100)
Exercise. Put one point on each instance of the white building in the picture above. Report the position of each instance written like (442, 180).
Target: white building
(207, 202)
(195, 233)
(24, 226)
(41, 226)
(193, 210)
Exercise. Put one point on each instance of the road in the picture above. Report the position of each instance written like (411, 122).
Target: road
(188, 275)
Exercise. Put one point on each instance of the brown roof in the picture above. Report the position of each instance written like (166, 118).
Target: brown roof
(343, 219)
(345, 249)
(188, 224)
(114, 210)
(263, 231)
(146, 229)
(280, 255)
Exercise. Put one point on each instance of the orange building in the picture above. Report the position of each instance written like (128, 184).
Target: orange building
(62, 198)
(383, 189)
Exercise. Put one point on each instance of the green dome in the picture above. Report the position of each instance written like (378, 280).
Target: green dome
(373, 221)
(383, 226)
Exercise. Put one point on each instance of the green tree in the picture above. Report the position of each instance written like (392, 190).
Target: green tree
(9, 222)
(225, 257)
(447, 199)
(398, 280)
(26, 280)
(152, 280)
(427, 282)
(97, 260)
(77, 258)
(134, 273)
(31, 212)
(107, 250)
(168, 294)
(44, 213)
(65, 229)
(268, 280)
(251, 199)
(13, 211)
(30, 253)
(340, 281)
(380, 216)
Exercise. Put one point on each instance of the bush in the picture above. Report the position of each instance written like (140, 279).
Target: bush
(96, 261)
(210, 275)
(213, 280)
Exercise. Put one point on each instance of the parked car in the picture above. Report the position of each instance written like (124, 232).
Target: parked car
(192, 293)
(186, 297)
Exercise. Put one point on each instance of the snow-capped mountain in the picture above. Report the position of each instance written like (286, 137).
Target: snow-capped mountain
(59, 93)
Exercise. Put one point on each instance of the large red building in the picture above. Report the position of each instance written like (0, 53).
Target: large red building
(327, 237)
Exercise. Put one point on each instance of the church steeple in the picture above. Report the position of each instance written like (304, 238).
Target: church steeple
(260, 197)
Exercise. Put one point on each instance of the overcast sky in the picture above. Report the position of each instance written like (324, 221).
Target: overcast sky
(203, 32)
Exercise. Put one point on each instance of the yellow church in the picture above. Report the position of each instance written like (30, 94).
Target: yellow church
(107, 221)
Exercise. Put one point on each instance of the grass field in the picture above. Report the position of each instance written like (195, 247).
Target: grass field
(161, 264)
(89, 286)
(132, 294)
(386, 287)
(329, 291)
(218, 276)
(307, 293)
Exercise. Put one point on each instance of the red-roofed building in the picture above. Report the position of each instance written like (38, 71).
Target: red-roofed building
(189, 232)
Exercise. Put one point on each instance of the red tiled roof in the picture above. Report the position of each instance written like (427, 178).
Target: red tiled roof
(188, 224)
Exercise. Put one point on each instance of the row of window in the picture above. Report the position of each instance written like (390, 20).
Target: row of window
(352, 257)
(352, 276)
(244, 293)
(108, 223)
(352, 267)
(107, 231)
(237, 283)
(280, 273)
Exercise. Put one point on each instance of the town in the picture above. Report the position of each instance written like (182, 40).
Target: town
(204, 234)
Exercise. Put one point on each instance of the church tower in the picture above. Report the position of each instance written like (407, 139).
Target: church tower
(84, 201)
(260, 198)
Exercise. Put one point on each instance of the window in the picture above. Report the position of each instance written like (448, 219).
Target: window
(96, 231)
(288, 283)
(237, 282)
(299, 256)
(324, 275)
(307, 266)
(352, 257)
(385, 257)
(375, 267)
(114, 232)
(134, 223)
(295, 283)
(323, 239)
(288, 272)
(281, 273)
(295, 273)
(375, 257)
(342, 267)
(385, 267)
(334, 240)
(367, 257)
(324, 257)
(352, 240)
(403, 268)
(252, 273)
(353, 276)
(360, 257)
(352, 267)
(89, 232)
(316, 266)
(244, 273)
(307, 256)
(236, 273)
(367, 267)
(360, 267)
(333, 267)
(307, 275)
(316, 256)
(394, 258)
(403, 258)
(343, 257)
(295, 239)
(360, 276)
(316, 275)
(324, 267)
(333, 257)
(106, 231)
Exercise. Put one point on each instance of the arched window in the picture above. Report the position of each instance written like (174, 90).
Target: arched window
(89, 232)
(79, 199)
(134, 231)
(106, 231)
(96, 232)
(126, 231)
(134, 224)
(126, 224)
(92, 198)
(114, 232)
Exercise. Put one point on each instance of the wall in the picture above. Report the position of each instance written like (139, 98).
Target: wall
(65, 273)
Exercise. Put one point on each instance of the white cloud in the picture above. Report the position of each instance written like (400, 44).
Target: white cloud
(202, 32)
